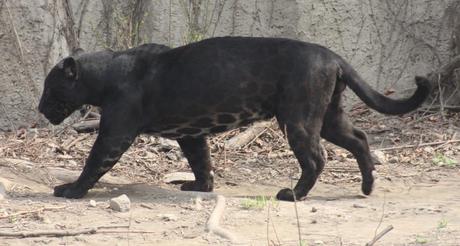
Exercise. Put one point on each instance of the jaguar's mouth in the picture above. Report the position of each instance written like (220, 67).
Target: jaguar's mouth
(57, 115)
(54, 118)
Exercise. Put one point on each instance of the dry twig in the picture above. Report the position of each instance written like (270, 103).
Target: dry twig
(54, 233)
(296, 214)
(75, 141)
(419, 145)
(380, 235)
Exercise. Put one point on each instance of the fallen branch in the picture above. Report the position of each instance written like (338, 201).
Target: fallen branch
(436, 108)
(147, 206)
(248, 135)
(380, 235)
(128, 231)
(213, 222)
(419, 145)
(86, 126)
(66, 233)
(53, 233)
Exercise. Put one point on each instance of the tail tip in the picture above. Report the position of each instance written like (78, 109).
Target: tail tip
(423, 82)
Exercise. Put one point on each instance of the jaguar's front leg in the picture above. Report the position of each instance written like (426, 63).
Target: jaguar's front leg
(196, 151)
(106, 151)
(115, 137)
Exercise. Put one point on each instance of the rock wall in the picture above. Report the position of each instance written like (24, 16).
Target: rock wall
(388, 41)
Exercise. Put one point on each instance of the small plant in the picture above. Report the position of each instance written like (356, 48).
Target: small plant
(420, 240)
(13, 219)
(303, 243)
(442, 160)
(258, 202)
(442, 224)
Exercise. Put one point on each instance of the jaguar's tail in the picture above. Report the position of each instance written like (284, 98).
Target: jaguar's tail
(380, 102)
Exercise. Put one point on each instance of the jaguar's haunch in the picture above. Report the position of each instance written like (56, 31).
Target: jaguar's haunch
(213, 86)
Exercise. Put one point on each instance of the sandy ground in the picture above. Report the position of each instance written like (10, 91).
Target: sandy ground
(422, 210)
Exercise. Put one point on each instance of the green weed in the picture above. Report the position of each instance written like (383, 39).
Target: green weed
(258, 202)
(420, 240)
(442, 160)
(442, 224)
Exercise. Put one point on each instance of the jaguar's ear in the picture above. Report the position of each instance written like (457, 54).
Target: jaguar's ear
(71, 68)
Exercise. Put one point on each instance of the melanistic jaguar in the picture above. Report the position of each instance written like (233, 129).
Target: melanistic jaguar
(212, 86)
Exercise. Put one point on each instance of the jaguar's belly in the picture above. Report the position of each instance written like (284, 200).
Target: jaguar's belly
(205, 125)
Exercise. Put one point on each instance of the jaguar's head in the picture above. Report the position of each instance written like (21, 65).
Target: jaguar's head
(63, 92)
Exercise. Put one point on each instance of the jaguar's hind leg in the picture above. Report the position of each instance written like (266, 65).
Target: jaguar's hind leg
(338, 130)
(304, 140)
(196, 151)
(300, 111)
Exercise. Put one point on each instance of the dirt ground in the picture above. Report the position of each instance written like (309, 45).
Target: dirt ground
(417, 192)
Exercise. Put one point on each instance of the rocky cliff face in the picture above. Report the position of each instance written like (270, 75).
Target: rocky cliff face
(387, 41)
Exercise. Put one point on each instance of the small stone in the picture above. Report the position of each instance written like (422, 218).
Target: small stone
(379, 157)
(120, 203)
(314, 221)
(168, 217)
(313, 209)
(92, 203)
(318, 242)
(178, 177)
(358, 206)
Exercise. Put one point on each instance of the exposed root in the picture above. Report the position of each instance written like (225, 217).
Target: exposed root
(213, 222)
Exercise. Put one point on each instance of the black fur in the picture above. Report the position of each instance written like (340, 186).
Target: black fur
(212, 86)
